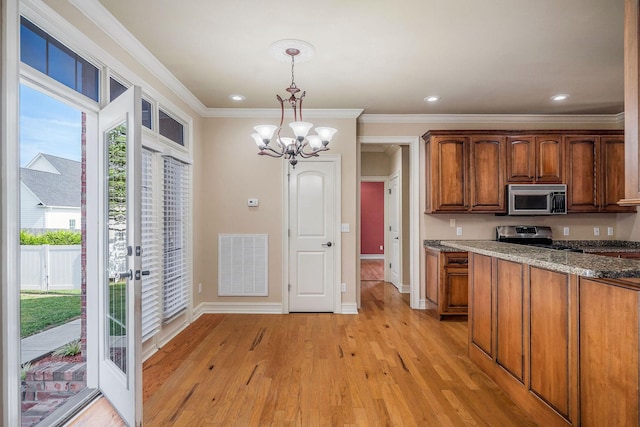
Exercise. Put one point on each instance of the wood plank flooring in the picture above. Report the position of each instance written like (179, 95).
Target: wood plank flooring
(371, 269)
(388, 365)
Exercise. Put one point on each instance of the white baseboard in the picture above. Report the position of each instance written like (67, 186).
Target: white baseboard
(371, 256)
(423, 304)
(237, 308)
(350, 308)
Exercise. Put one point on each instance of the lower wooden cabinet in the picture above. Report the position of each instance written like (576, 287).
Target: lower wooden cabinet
(564, 348)
(609, 343)
(447, 281)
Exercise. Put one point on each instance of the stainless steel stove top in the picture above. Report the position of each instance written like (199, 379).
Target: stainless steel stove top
(533, 235)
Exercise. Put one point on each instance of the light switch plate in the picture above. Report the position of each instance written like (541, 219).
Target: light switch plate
(344, 228)
(609, 231)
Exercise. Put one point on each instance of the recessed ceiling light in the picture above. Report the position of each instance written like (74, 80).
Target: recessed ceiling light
(237, 97)
(559, 97)
(432, 98)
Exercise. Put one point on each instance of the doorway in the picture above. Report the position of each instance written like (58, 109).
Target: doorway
(409, 223)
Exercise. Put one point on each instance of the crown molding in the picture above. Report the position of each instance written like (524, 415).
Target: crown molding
(100, 16)
(387, 139)
(596, 119)
(260, 113)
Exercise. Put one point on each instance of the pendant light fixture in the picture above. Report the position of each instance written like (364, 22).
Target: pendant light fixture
(268, 138)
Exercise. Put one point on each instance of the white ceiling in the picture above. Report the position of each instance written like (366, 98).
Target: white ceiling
(479, 56)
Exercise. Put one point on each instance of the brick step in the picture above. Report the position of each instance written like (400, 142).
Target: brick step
(52, 379)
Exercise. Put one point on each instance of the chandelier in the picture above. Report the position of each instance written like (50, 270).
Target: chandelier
(302, 144)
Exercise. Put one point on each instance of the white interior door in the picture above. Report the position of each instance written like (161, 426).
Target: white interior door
(120, 367)
(312, 239)
(394, 230)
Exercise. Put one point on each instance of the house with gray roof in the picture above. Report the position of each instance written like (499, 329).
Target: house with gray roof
(50, 193)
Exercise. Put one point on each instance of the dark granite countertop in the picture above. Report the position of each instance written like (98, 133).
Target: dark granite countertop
(582, 264)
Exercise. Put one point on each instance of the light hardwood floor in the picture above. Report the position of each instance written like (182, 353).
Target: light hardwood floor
(388, 365)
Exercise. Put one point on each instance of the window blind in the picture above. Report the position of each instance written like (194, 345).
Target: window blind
(175, 213)
(151, 316)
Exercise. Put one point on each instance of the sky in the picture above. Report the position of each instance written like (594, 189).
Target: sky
(47, 126)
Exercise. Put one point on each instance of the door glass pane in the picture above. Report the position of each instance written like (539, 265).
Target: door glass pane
(117, 251)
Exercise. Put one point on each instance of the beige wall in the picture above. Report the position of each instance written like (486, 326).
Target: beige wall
(228, 172)
(375, 164)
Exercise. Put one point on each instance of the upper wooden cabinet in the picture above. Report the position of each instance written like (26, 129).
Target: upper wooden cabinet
(534, 159)
(595, 173)
(487, 158)
(467, 171)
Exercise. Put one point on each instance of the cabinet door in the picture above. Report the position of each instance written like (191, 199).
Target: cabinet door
(432, 265)
(521, 159)
(487, 173)
(582, 154)
(455, 295)
(449, 165)
(550, 362)
(608, 355)
(510, 318)
(612, 173)
(549, 159)
(481, 316)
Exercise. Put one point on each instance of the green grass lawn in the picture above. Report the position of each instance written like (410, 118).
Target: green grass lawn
(40, 311)
(43, 311)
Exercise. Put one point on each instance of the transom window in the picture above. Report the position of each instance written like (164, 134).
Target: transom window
(47, 55)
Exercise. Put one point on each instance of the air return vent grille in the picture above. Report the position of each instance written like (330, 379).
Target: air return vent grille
(242, 265)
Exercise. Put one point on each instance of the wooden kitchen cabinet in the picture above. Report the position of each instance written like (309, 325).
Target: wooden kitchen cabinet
(465, 172)
(510, 330)
(487, 171)
(447, 282)
(534, 159)
(595, 173)
(609, 342)
(523, 334)
(552, 349)
(481, 304)
(447, 163)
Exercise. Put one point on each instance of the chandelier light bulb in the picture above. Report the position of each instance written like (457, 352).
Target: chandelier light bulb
(259, 142)
(265, 132)
(300, 129)
(314, 141)
(326, 134)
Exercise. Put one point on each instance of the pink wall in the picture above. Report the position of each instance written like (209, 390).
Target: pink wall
(372, 217)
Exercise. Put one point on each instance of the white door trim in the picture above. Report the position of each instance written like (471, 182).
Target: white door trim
(337, 253)
(414, 203)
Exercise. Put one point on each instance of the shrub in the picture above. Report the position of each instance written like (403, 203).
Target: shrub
(70, 349)
(60, 237)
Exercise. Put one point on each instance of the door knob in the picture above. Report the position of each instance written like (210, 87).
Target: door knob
(326, 245)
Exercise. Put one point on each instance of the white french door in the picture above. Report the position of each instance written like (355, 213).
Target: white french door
(312, 241)
(120, 344)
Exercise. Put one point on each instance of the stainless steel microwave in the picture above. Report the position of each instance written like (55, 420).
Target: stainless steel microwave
(537, 199)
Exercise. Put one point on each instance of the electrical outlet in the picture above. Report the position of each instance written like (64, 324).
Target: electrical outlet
(199, 288)
(596, 231)
(458, 231)
(565, 231)
(381, 248)
(609, 231)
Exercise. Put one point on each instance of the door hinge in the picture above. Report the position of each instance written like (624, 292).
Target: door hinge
(289, 287)
(389, 265)
(389, 191)
(389, 228)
